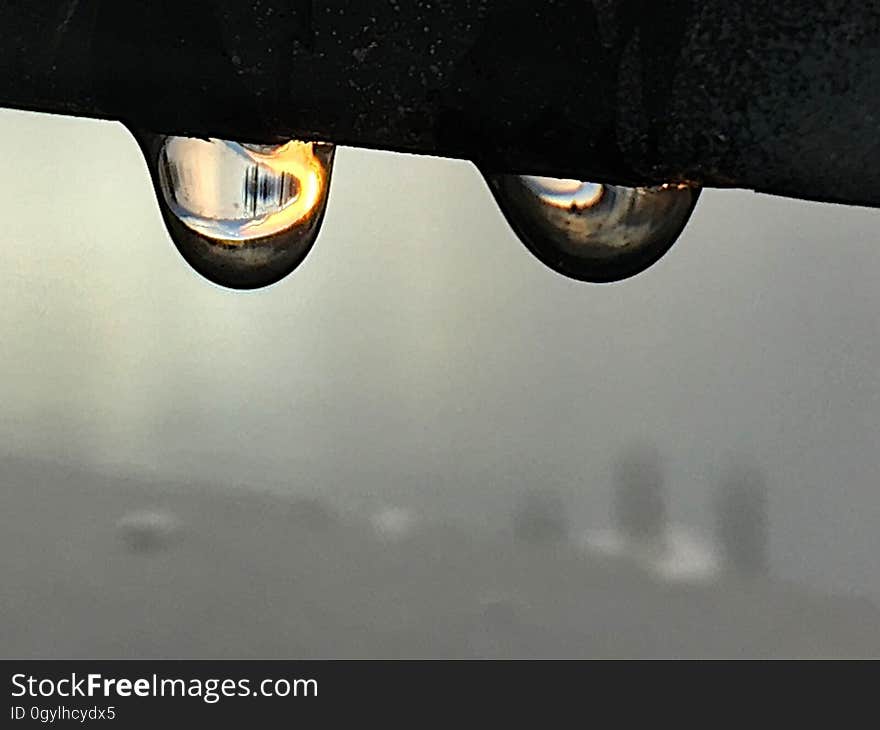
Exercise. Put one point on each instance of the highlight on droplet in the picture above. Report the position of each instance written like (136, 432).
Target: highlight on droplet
(243, 215)
(564, 193)
(238, 192)
(593, 231)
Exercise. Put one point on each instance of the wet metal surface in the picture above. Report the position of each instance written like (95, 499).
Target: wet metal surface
(779, 97)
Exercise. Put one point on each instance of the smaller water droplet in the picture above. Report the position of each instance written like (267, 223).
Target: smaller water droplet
(242, 215)
(592, 231)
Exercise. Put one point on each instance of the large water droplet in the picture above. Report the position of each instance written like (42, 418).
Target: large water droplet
(591, 231)
(242, 215)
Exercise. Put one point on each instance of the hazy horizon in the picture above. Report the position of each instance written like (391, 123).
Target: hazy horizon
(421, 356)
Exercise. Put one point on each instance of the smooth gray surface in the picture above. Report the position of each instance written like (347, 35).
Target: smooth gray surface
(249, 575)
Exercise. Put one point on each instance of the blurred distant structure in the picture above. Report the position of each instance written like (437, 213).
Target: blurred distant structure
(639, 498)
(541, 519)
(214, 571)
(742, 520)
(148, 530)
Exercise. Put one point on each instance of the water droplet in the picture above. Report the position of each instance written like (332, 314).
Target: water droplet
(242, 215)
(591, 231)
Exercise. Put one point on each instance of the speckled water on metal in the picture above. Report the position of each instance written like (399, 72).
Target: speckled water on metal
(782, 97)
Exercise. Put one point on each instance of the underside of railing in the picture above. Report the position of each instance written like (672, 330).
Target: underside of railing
(781, 97)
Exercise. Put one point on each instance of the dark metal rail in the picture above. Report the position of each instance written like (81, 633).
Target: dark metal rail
(782, 96)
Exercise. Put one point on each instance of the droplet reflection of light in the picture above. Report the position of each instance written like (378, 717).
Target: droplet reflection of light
(243, 215)
(564, 193)
(591, 231)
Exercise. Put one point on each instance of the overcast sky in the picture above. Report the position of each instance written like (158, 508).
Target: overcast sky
(421, 355)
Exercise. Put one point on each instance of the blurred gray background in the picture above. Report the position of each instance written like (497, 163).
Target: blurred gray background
(421, 362)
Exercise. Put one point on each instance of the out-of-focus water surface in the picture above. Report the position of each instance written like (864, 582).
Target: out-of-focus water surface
(423, 442)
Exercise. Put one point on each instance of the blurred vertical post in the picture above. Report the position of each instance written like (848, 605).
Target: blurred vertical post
(742, 520)
(639, 497)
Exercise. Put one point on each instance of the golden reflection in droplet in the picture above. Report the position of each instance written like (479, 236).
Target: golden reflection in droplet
(243, 215)
(237, 193)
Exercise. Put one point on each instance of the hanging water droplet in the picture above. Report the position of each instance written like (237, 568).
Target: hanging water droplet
(591, 231)
(242, 215)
